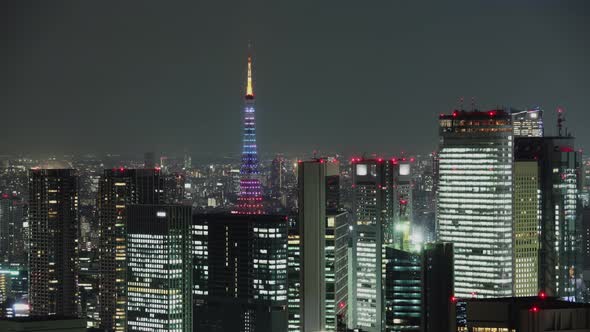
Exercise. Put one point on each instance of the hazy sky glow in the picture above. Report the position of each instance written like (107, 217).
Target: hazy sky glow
(128, 76)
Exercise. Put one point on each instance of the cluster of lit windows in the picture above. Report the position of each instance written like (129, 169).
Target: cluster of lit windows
(474, 205)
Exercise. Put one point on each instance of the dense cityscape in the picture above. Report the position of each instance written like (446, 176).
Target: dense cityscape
(488, 232)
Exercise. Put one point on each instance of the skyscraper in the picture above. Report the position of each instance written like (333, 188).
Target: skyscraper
(118, 188)
(159, 268)
(53, 218)
(373, 209)
(550, 238)
(474, 199)
(240, 274)
(250, 195)
(323, 246)
(438, 301)
(403, 290)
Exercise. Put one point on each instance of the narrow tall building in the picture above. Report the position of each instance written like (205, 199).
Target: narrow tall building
(240, 272)
(323, 246)
(159, 268)
(474, 199)
(373, 213)
(547, 230)
(438, 301)
(53, 218)
(250, 195)
(118, 188)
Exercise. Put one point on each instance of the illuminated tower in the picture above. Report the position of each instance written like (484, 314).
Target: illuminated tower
(250, 196)
(474, 200)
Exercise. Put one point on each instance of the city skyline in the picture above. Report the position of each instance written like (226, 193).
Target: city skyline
(344, 66)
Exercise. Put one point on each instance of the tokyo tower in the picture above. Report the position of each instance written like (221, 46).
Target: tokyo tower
(250, 195)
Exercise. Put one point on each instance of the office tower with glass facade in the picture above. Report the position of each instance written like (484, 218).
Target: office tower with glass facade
(438, 300)
(240, 272)
(53, 218)
(474, 200)
(159, 268)
(403, 290)
(12, 245)
(373, 215)
(337, 239)
(557, 166)
(118, 188)
(527, 218)
(527, 123)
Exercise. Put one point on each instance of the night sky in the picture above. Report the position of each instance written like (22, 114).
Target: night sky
(349, 76)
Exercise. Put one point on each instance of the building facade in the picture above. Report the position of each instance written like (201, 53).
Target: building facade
(159, 268)
(53, 218)
(474, 199)
(240, 274)
(373, 214)
(119, 188)
(557, 165)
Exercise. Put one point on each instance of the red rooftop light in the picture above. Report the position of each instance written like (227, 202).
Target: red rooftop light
(535, 309)
(542, 295)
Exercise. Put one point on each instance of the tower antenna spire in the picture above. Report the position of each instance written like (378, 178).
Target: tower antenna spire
(249, 86)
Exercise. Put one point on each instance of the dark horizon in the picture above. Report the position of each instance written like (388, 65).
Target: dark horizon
(137, 76)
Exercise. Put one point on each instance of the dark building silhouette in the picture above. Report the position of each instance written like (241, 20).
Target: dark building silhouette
(438, 302)
(53, 218)
(240, 275)
(12, 245)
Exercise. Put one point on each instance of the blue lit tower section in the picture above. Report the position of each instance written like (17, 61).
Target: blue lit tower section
(250, 196)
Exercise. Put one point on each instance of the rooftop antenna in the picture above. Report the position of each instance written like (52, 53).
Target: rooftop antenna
(461, 103)
(472, 103)
(560, 120)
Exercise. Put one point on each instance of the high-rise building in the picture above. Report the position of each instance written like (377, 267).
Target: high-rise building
(250, 195)
(474, 199)
(53, 218)
(240, 272)
(527, 123)
(527, 220)
(318, 192)
(159, 268)
(438, 301)
(12, 246)
(403, 290)
(547, 241)
(373, 213)
(336, 252)
(119, 188)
